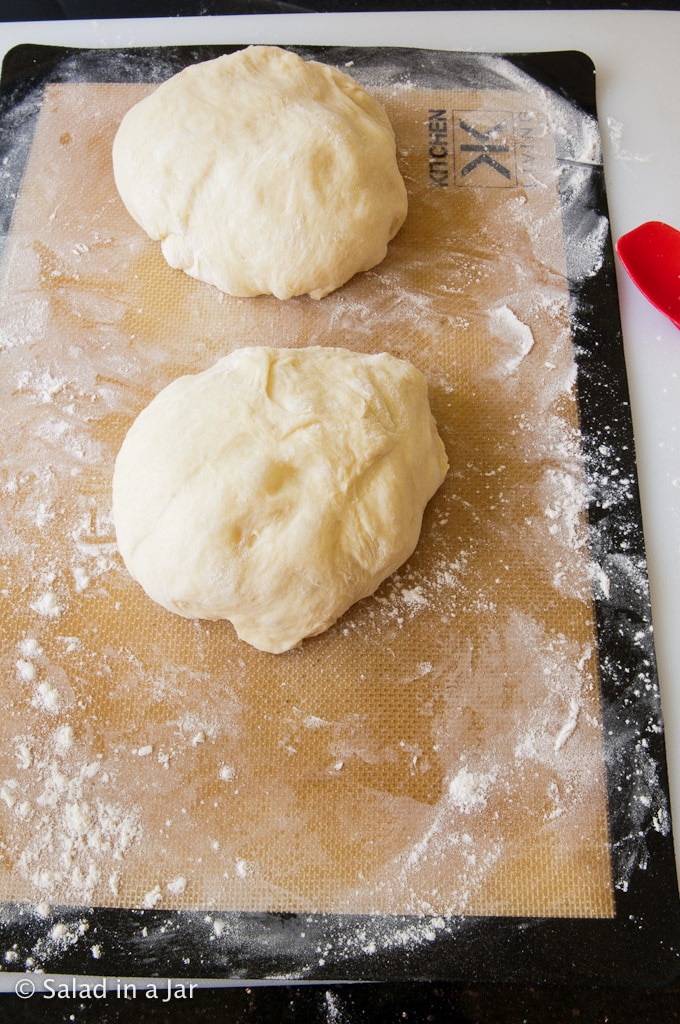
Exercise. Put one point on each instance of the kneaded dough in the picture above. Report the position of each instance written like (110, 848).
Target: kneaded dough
(277, 488)
(262, 173)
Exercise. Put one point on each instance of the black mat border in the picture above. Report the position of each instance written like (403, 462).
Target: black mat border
(640, 946)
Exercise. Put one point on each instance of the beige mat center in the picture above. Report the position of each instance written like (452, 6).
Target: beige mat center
(439, 750)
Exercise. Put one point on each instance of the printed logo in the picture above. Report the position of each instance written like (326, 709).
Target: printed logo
(439, 150)
(484, 149)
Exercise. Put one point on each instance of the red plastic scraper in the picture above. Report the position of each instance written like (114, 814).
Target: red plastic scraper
(651, 255)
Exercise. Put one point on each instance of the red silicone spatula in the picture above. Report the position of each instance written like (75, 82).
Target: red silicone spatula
(651, 255)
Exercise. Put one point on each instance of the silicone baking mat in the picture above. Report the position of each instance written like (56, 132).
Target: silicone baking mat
(443, 754)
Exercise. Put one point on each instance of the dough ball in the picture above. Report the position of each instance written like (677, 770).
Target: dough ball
(277, 488)
(262, 173)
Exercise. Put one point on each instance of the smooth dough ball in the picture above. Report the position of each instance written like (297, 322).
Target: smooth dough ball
(262, 173)
(277, 488)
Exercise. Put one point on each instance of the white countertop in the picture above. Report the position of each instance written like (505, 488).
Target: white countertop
(638, 82)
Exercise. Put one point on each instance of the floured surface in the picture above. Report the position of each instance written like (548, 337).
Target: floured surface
(437, 751)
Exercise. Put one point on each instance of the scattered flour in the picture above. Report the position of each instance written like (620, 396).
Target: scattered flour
(152, 897)
(47, 698)
(616, 133)
(177, 886)
(516, 337)
(30, 648)
(468, 790)
(73, 831)
(48, 605)
(26, 670)
(569, 726)
(63, 740)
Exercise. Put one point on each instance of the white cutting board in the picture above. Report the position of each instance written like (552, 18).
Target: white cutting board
(638, 82)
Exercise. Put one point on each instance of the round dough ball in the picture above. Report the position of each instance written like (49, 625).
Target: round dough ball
(262, 173)
(277, 488)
